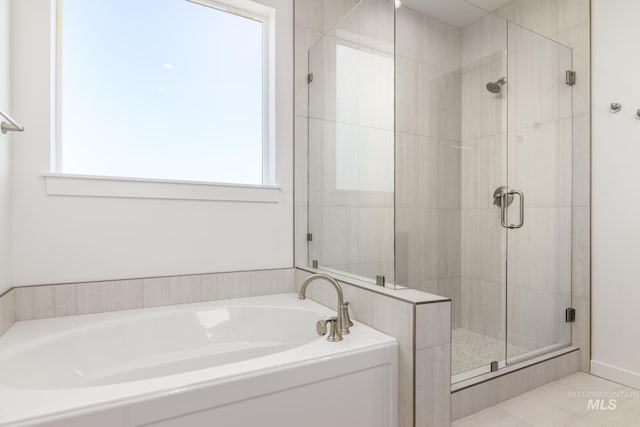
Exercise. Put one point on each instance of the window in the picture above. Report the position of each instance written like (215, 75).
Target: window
(162, 89)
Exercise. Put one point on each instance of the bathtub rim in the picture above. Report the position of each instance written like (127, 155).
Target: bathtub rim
(365, 343)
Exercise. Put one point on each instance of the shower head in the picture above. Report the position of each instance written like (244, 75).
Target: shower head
(496, 87)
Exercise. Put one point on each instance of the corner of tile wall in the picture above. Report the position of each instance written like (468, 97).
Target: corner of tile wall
(7, 312)
(433, 364)
(47, 301)
(424, 362)
(581, 332)
(389, 315)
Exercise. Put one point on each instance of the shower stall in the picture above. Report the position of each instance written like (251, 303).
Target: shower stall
(440, 159)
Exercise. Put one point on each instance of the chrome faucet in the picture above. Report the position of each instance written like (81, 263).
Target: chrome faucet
(343, 320)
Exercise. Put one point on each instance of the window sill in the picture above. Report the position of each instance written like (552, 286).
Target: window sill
(60, 184)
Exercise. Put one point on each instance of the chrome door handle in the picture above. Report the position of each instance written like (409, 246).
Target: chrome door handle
(504, 209)
(504, 205)
(503, 197)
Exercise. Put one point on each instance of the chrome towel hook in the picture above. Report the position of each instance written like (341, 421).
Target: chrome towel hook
(638, 113)
(615, 107)
(12, 126)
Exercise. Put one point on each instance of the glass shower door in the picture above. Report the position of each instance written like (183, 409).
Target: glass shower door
(479, 333)
(538, 218)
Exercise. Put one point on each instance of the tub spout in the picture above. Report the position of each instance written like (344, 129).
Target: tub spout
(343, 320)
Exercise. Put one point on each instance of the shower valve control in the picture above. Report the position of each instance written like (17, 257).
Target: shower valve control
(500, 193)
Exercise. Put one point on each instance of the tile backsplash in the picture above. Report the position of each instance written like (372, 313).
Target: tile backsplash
(46, 301)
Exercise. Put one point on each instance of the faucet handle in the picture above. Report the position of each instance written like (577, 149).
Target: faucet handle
(321, 327)
(334, 333)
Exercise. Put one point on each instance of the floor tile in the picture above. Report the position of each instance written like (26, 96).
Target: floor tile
(565, 403)
(586, 382)
(551, 405)
(491, 417)
(619, 417)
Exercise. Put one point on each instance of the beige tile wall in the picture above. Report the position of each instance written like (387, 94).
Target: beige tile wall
(428, 155)
(484, 127)
(433, 364)
(46, 301)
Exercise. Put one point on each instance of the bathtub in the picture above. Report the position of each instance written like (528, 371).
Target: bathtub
(244, 362)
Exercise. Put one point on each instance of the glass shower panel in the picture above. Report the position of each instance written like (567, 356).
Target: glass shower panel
(351, 145)
(540, 167)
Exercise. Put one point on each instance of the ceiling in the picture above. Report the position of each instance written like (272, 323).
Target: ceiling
(489, 5)
(458, 13)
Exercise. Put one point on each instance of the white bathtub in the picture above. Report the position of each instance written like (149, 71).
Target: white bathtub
(244, 362)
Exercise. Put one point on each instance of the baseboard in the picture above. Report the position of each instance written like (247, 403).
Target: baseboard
(615, 374)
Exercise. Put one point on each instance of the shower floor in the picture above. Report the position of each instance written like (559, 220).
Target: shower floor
(471, 350)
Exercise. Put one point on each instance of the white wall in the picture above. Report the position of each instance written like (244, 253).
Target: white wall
(4, 149)
(616, 178)
(68, 239)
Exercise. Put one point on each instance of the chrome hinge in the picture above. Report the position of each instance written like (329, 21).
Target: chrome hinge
(570, 315)
(309, 77)
(571, 77)
(309, 237)
(314, 263)
(494, 366)
(380, 281)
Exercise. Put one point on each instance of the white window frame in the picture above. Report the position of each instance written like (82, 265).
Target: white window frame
(59, 183)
